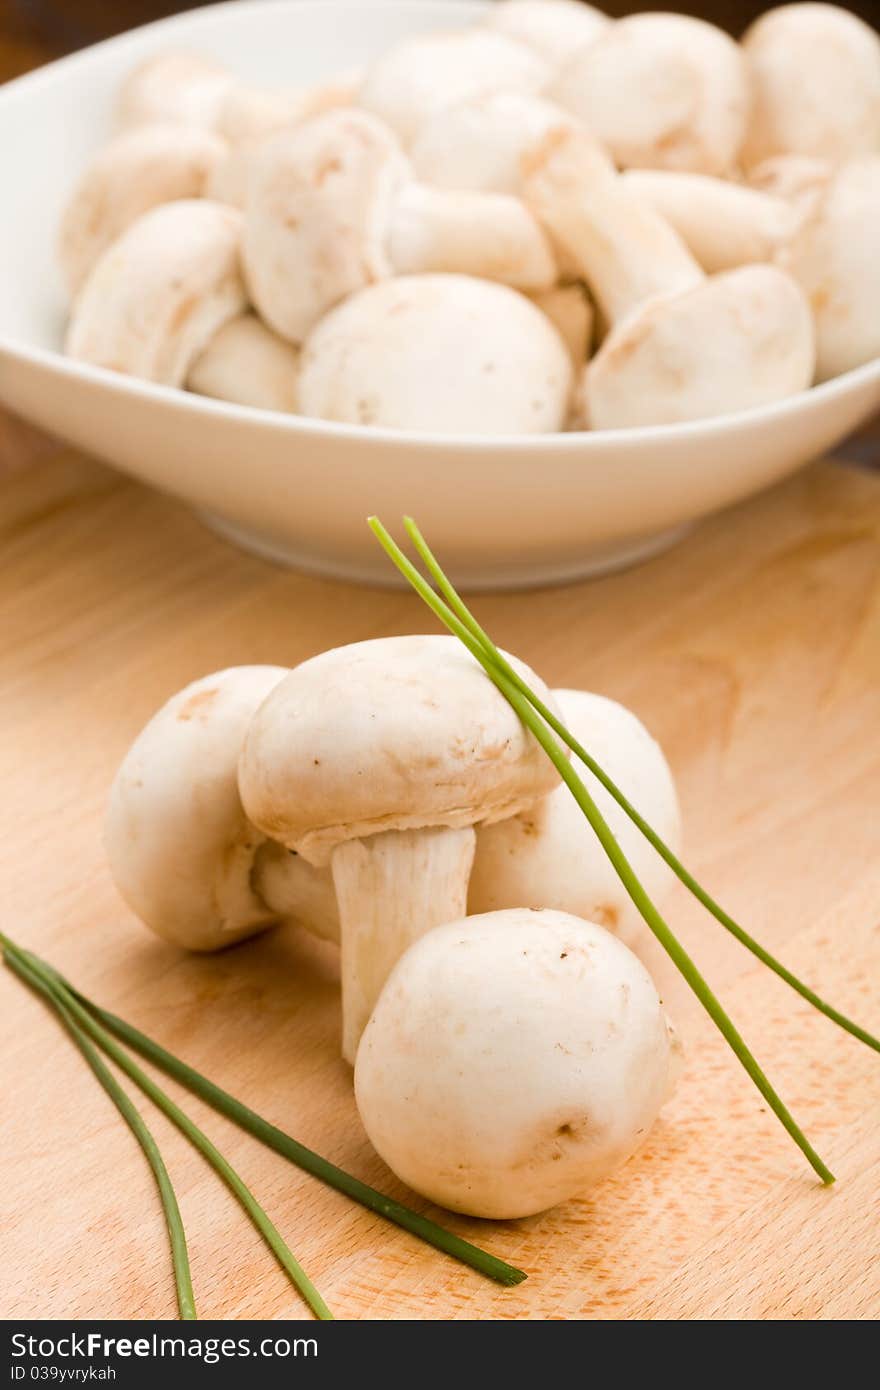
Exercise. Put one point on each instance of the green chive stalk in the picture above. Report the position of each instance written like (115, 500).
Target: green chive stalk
(178, 1117)
(176, 1234)
(274, 1138)
(532, 720)
(456, 603)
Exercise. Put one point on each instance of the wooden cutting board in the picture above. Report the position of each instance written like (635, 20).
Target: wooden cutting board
(752, 651)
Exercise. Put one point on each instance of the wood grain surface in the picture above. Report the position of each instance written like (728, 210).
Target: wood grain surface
(752, 651)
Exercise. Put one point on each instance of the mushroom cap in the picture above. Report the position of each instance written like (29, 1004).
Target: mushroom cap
(513, 1060)
(158, 295)
(247, 363)
(723, 224)
(139, 169)
(739, 340)
(835, 258)
(553, 28)
(440, 353)
(317, 215)
(421, 75)
(479, 144)
(185, 88)
(816, 82)
(548, 856)
(397, 733)
(180, 847)
(661, 91)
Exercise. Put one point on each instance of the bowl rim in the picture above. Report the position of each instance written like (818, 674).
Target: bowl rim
(561, 442)
(178, 398)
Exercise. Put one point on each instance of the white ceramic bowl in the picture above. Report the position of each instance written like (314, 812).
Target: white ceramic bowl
(500, 512)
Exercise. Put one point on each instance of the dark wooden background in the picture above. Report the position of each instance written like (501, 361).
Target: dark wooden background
(33, 30)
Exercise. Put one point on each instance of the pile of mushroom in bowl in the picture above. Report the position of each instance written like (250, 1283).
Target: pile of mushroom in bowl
(519, 233)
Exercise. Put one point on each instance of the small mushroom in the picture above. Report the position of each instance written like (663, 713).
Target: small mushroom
(157, 296)
(723, 224)
(681, 346)
(181, 850)
(141, 168)
(816, 81)
(333, 207)
(250, 116)
(418, 76)
(512, 1061)
(441, 353)
(661, 91)
(548, 856)
(247, 363)
(380, 758)
(480, 144)
(835, 258)
(553, 28)
(183, 88)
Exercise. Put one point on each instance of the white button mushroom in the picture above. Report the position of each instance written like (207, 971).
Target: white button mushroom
(513, 1061)
(250, 116)
(180, 87)
(158, 295)
(181, 850)
(742, 340)
(140, 169)
(554, 28)
(419, 76)
(440, 353)
(247, 363)
(549, 857)
(379, 758)
(835, 257)
(816, 80)
(480, 144)
(661, 91)
(332, 207)
(681, 347)
(723, 224)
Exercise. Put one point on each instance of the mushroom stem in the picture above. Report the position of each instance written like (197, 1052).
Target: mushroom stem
(621, 246)
(724, 225)
(295, 890)
(569, 308)
(391, 889)
(489, 235)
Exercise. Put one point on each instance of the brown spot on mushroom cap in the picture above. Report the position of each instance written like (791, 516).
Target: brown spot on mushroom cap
(197, 705)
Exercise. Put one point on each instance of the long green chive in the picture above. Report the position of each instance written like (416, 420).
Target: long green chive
(129, 1112)
(304, 1158)
(456, 603)
(197, 1138)
(532, 720)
